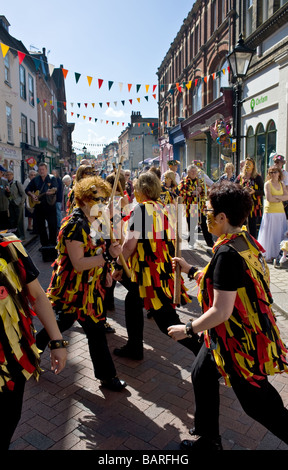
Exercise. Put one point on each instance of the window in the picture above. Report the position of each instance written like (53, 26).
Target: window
(180, 107)
(278, 4)
(24, 130)
(250, 143)
(32, 133)
(7, 69)
(260, 149)
(197, 97)
(22, 74)
(221, 80)
(213, 16)
(31, 90)
(249, 15)
(9, 123)
(271, 142)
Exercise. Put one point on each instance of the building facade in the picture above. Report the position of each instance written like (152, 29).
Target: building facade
(196, 90)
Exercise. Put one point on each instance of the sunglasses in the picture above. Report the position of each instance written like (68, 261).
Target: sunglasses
(205, 210)
(271, 172)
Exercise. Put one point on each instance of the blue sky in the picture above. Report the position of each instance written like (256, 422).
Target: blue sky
(113, 40)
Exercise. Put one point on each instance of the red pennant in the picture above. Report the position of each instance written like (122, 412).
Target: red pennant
(21, 56)
(130, 101)
(154, 87)
(100, 82)
(65, 71)
(129, 86)
(108, 104)
(154, 96)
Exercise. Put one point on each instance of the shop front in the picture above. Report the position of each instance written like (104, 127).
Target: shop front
(10, 158)
(177, 139)
(264, 116)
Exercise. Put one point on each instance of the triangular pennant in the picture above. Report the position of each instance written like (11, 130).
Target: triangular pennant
(89, 80)
(138, 99)
(79, 104)
(72, 114)
(90, 118)
(123, 102)
(188, 85)
(129, 86)
(95, 119)
(196, 81)
(130, 101)
(71, 104)
(108, 104)
(21, 56)
(65, 72)
(120, 85)
(154, 96)
(115, 103)
(4, 48)
(146, 98)
(84, 117)
(110, 84)
(138, 88)
(100, 104)
(147, 88)
(93, 104)
(77, 76)
(36, 63)
(86, 105)
(100, 82)
(107, 122)
(154, 87)
(78, 115)
(51, 69)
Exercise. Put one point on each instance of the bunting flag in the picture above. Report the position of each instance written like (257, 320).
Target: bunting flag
(21, 56)
(77, 76)
(110, 83)
(65, 72)
(100, 82)
(89, 80)
(5, 49)
(129, 86)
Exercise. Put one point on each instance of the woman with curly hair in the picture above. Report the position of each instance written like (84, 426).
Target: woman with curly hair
(80, 276)
(242, 342)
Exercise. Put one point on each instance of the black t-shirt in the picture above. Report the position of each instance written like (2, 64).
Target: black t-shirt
(227, 269)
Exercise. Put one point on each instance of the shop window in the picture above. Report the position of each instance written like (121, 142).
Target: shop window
(271, 142)
(260, 149)
(250, 143)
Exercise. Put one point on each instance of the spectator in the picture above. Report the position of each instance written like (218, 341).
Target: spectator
(274, 224)
(67, 181)
(173, 166)
(242, 342)
(250, 179)
(29, 210)
(279, 162)
(20, 296)
(59, 197)
(4, 201)
(17, 197)
(42, 191)
(169, 190)
(228, 174)
(129, 184)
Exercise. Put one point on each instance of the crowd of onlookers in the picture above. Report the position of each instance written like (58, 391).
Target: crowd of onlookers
(43, 199)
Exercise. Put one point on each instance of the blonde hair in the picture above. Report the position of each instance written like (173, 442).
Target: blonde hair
(254, 171)
(229, 165)
(86, 189)
(170, 174)
(148, 185)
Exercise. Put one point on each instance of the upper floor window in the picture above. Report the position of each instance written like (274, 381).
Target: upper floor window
(249, 16)
(278, 4)
(221, 80)
(32, 133)
(213, 16)
(22, 74)
(7, 69)
(9, 123)
(262, 11)
(180, 112)
(24, 129)
(197, 97)
(31, 90)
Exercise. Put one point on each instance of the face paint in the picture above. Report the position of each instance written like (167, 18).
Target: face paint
(210, 221)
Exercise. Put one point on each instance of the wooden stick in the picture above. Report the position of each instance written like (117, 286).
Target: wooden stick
(177, 274)
(119, 186)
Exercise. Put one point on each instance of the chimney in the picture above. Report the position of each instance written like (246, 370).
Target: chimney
(4, 23)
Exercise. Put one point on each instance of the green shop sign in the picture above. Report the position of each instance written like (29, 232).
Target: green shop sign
(256, 101)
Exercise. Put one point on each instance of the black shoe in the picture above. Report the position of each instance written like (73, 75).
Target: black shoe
(114, 384)
(126, 351)
(108, 328)
(201, 443)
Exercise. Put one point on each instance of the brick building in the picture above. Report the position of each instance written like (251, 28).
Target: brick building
(195, 89)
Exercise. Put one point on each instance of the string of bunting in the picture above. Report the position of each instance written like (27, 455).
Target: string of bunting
(171, 87)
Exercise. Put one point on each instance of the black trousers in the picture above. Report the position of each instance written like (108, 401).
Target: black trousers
(10, 411)
(262, 403)
(102, 361)
(192, 223)
(164, 317)
(43, 213)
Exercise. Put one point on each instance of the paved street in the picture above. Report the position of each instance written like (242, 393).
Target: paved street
(155, 412)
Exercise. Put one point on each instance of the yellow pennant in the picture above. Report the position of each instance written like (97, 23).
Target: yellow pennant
(89, 80)
(147, 88)
(4, 48)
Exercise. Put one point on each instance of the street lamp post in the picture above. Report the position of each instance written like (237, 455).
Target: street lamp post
(239, 61)
(59, 130)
